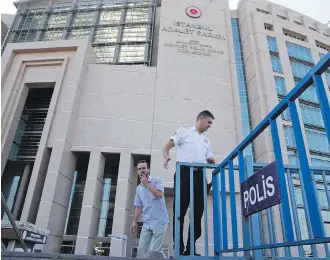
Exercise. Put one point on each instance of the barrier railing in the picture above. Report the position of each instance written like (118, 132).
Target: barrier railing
(258, 233)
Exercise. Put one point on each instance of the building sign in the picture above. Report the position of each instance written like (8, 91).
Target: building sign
(193, 12)
(34, 237)
(197, 30)
(194, 48)
(261, 190)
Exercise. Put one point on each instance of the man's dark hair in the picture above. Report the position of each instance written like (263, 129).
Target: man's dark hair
(143, 161)
(205, 113)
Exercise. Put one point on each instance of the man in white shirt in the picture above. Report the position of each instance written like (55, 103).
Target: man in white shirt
(192, 147)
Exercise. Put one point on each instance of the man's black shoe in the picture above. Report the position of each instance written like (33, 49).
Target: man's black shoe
(188, 253)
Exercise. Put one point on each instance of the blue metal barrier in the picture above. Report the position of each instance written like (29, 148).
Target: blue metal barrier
(258, 234)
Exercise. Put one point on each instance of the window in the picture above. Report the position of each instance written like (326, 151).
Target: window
(293, 157)
(317, 141)
(313, 29)
(322, 46)
(109, 17)
(32, 21)
(280, 85)
(135, 34)
(294, 35)
(77, 194)
(57, 20)
(104, 54)
(309, 94)
(105, 35)
(276, 64)
(83, 19)
(107, 201)
(137, 15)
(78, 34)
(269, 27)
(242, 85)
(262, 11)
(286, 116)
(26, 36)
(299, 70)
(326, 73)
(289, 136)
(281, 17)
(299, 52)
(131, 53)
(272, 44)
(299, 23)
(68, 247)
(327, 77)
(320, 161)
(327, 35)
(312, 115)
(52, 35)
(9, 187)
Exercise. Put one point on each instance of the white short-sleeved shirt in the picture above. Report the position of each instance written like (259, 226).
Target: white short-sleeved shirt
(191, 146)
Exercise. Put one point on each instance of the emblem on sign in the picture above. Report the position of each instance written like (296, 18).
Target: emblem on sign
(193, 12)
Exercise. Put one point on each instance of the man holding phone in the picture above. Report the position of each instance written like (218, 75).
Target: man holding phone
(149, 198)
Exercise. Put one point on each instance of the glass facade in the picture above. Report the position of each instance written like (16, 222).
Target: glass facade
(276, 64)
(121, 33)
(299, 70)
(310, 95)
(274, 55)
(312, 115)
(108, 197)
(272, 44)
(317, 141)
(326, 73)
(320, 161)
(77, 194)
(322, 198)
(301, 63)
(242, 84)
(299, 52)
(280, 85)
(289, 136)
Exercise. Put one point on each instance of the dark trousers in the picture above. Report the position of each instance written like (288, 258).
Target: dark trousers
(184, 203)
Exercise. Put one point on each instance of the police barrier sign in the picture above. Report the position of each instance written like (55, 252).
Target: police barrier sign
(261, 190)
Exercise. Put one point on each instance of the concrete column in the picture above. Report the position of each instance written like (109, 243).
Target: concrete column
(123, 211)
(90, 210)
(56, 195)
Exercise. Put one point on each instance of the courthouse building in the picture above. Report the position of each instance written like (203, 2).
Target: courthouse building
(91, 87)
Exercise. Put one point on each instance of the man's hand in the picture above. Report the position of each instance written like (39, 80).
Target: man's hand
(166, 160)
(133, 227)
(211, 160)
(143, 180)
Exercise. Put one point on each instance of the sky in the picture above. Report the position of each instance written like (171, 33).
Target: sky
(316, 9)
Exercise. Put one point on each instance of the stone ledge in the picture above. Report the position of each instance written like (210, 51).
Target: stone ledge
(9, 255)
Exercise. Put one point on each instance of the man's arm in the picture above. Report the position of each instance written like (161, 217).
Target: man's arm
(166, 152)
(156, 192)
(209, 155)
(135, 219)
